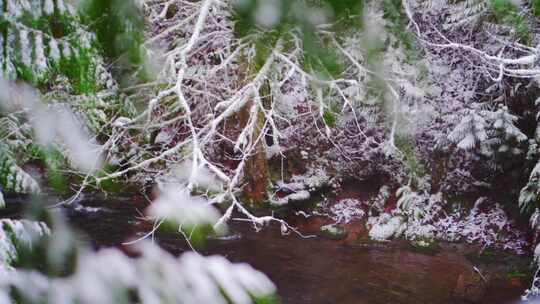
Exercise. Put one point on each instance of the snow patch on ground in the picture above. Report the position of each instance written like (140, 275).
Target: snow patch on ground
(420, 216)
(315, 178)
(300, 187)
(346, 210)
(386, 226)
(490, 228)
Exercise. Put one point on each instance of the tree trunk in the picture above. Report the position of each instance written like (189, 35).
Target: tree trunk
(256, 175)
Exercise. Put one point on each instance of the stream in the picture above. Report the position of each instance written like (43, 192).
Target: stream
(319, 270)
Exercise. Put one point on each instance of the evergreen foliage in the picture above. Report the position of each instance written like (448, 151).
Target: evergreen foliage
(531, 192)
(119, 29)
(42, 40)
(492, 134)
(470, 132)
(12, 177)
(53, 266)
(268, 21)
(15, 237)
(504, 15)
(46, 43)
(353, 61)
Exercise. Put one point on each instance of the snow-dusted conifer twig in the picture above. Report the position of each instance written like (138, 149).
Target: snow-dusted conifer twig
(522, 63)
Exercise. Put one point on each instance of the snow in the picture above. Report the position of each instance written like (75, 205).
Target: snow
(268, 13)
(289, 103)
(14, 233)
(48, 7)
(54, 51)
(433, 122)
(385, 227)
(26, 50)
(301, 186)
(18, 180)
(490, 228)
(163, 137)
(176, 204)
(420, 233)
(40, 59)
(273, 150)
(61, 6)
(55, 123)
(200, 176)
(420, 216)
(470, 132)
(109, 276)
(81, 151)
(314, 179)
(86, 209)
(537, 254)
(66, 49)
(346, 210)
(299, 196)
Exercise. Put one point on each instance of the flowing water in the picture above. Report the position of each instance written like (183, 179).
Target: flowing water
(319, 270)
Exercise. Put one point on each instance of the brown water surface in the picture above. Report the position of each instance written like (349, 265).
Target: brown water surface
(319, 270)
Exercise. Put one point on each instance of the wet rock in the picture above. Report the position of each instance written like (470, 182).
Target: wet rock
(425, 246)
(225, 237)
(299, 196)
(333, 232)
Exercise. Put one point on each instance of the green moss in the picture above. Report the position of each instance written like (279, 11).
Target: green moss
(80, 69)
(329, 118)
(505, 12)
(25, 73)
(54, 161)
(197, 235)
(536, 7)
(414, 166)
(517, 273)
(111, 185)
(397, 20)
(271, 299)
